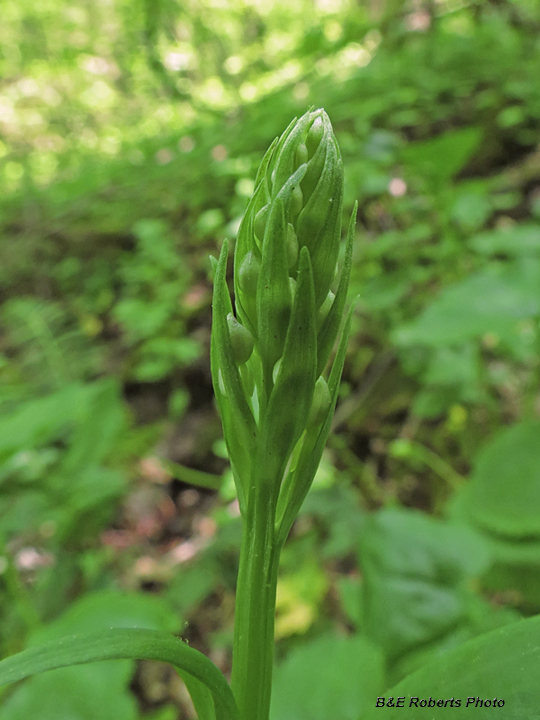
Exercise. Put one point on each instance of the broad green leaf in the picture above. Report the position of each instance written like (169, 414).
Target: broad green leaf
(386, 289)
(120, 643)
(99, 692)
(414, 571)
(502, 664)
(98, 431)
(77, 493)
(349, 595)
(331, 677)
(140, 318)
(514, 240)
(193, 582)
(454, 365)
(39, 421)
(433, 401)
(472, 205)
(482, 617)
(516, 568)
(504, 493)
(111, 608)
(88, 501)
(493, 300)
(452, 374)
(76, 689)
(337, 507)
(442, 157)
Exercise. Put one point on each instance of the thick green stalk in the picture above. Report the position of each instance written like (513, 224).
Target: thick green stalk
(255, 607)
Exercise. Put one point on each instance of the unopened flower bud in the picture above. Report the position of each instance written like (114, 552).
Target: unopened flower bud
(292, 246)
(275, 370)
(292, 286)
(301, 155)
(248, 274)
(297, 200)
(320, 403)
(318, 225)
(315, 134)
(314, 170)
(322, 312)
(241, 340)
(260, 222)
(270, 348)
(221, 384)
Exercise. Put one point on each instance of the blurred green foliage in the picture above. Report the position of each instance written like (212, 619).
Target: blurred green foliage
(130, 134)
(102, 692)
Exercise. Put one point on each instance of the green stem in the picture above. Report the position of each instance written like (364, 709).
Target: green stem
(255, 607)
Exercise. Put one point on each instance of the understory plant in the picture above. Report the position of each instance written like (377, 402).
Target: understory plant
(269, 355)
(268, 359)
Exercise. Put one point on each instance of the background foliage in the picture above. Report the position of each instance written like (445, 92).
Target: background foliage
(130, 133)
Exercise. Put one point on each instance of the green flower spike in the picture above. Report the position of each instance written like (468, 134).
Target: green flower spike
(287, 317)
(268, 359)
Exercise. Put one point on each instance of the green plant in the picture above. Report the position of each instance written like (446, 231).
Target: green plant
(266, 361)
(268, 358)
(153, 277)
(267, 365)
(60, 483)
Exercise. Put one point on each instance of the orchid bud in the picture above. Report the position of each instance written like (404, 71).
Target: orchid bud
(323, 311)
(297, 200)
(248, 274)
(315, 134)
(275, 371)
(292, 246)
(272, 347)
(241, 340)
(260, 222)
(268, 355)
(320, 403)
(301, 155)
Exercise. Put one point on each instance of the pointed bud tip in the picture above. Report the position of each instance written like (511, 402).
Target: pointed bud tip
(320, 403)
